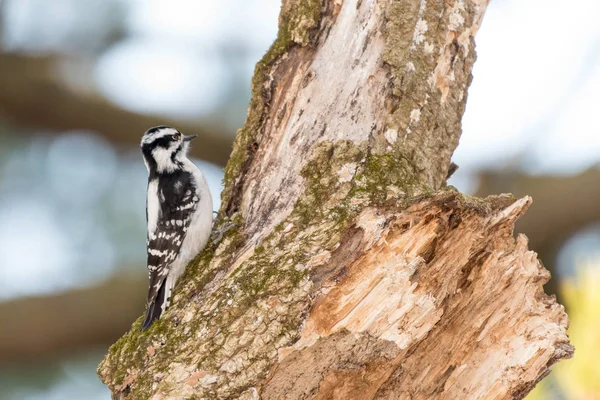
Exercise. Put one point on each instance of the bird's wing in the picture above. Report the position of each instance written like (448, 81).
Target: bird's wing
(177, 205)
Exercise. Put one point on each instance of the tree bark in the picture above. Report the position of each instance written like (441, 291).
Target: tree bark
(352, 270)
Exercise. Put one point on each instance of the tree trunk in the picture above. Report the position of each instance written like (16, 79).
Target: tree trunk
(352, 270)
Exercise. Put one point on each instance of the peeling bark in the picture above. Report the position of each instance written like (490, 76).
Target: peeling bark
(352, 270)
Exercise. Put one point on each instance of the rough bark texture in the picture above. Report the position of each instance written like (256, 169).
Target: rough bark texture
(352, 270)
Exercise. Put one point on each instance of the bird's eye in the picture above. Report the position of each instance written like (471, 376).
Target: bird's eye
(177, 136)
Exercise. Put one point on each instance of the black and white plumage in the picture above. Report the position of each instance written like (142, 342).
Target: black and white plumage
(178, 213)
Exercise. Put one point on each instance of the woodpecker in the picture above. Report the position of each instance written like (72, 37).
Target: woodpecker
(178, 214)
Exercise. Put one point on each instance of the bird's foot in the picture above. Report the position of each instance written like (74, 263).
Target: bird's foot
(220, 231)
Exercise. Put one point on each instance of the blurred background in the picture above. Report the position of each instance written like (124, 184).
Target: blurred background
(80, 81)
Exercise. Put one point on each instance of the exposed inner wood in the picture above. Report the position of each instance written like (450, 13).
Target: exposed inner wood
(336, 92)
(465, 310)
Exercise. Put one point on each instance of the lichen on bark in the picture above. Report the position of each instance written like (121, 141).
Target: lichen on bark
(430, 52)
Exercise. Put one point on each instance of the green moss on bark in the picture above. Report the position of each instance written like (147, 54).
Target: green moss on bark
(276, 269)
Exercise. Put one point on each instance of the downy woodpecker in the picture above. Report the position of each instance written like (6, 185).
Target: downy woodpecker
(178, 214)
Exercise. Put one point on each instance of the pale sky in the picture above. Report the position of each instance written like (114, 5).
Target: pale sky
(536, 87)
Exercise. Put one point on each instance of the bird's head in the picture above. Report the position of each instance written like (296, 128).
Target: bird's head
(164, 149)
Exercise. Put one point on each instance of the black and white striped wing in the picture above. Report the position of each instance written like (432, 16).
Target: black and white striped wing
(171, 227)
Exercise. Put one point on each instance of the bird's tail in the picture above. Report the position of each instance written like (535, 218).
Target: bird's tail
(154, 308)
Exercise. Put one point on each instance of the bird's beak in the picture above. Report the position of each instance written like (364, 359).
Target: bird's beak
(188, 138)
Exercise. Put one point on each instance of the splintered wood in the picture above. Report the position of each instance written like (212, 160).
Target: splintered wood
(439, 301)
